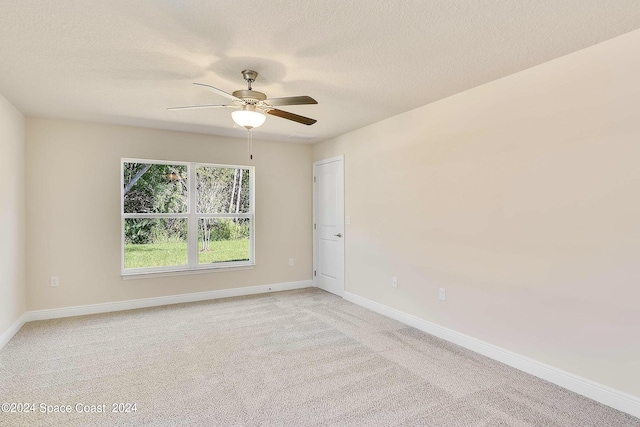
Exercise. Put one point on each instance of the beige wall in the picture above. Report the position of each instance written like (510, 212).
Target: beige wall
(12, 215)
(521, 198)
(73, 191)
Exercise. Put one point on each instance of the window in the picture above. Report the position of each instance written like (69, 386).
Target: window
(186, 216)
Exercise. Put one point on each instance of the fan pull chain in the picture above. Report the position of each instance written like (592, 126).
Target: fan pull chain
(250, 143)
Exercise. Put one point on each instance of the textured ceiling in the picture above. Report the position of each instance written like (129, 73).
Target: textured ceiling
(124, 62)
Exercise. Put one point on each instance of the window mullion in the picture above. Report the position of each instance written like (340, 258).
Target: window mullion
(155, 215)
(225, 215)
(192, 236)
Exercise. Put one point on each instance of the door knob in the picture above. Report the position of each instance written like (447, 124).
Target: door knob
(338, 235)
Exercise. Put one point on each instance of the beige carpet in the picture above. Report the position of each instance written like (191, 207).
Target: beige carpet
(296, 358)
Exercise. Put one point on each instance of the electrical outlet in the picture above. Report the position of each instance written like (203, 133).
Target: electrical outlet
(290, 261)
(55, 281)
(394, 281)
(347, 219)
(442, 294)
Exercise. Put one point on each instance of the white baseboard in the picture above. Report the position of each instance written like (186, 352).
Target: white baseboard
(81, 310)
(13, 329)
(616, 399)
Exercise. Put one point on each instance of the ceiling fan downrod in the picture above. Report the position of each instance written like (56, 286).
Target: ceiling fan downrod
(250, 77)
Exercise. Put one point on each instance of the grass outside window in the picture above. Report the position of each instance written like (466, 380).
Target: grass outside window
(173, 253)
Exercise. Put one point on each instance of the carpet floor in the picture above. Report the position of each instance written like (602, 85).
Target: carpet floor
(294, 358)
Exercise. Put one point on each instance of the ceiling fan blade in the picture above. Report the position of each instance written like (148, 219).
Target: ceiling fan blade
(193, 107)
(290, 116)
(221, 92)
(291, 100)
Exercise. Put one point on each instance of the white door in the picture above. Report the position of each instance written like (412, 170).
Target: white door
(328, 223)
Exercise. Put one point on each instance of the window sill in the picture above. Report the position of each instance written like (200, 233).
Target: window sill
(170, 273)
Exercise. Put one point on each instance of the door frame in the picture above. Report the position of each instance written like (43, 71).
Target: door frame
(339, 158)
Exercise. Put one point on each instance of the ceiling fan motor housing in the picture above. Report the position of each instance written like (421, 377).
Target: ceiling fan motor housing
(250, 96)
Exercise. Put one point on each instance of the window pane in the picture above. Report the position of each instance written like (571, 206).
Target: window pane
(222, 190)
(223, 239)
(154, 188)
(155, 242)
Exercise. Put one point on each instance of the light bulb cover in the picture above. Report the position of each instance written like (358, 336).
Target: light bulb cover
(248, 118)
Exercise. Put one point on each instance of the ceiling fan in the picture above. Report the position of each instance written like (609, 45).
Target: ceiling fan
(252, 104)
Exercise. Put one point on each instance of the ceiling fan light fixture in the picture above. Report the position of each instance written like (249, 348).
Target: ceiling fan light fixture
(248, 118)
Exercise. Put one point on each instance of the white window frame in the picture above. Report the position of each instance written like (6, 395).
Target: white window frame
(192, 221)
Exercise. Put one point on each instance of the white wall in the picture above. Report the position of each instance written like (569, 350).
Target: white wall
(73, 222)
(520, 197)
(12, 215)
